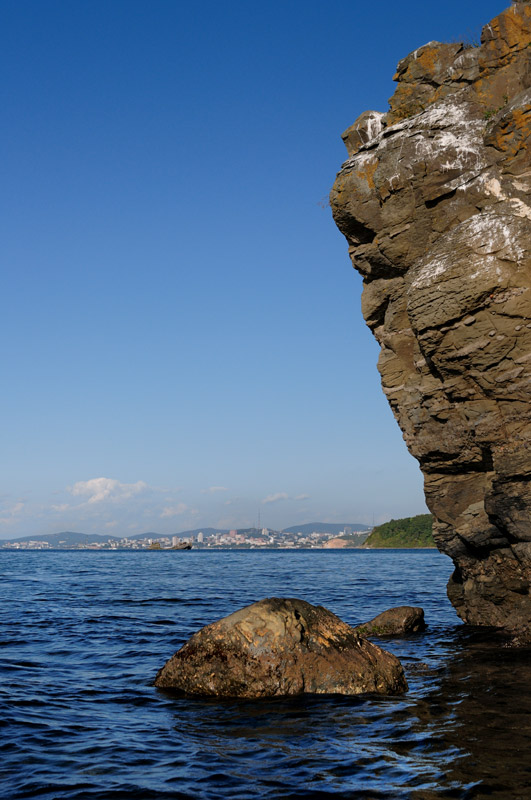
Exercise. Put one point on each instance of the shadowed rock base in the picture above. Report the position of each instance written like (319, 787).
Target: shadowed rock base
(435, 203)
(281, 647)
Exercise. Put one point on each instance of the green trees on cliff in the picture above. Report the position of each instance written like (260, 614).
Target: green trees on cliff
(407, 532)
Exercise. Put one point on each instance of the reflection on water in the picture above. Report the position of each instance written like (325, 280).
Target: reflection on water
(83, 635)
(463, 731)
(482, 710)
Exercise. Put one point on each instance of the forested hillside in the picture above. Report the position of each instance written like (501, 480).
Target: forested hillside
(407, 532)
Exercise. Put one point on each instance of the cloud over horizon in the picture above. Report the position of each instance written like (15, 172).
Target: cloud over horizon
(174, 511)
(99, 489)
(11, 513)
(274, 498)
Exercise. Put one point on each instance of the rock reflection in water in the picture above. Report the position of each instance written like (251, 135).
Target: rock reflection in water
(462, 732)
(482, 711)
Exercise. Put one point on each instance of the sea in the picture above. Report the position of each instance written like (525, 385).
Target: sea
(83, 634)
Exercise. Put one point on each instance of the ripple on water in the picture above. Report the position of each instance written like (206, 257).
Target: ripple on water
(84, 634)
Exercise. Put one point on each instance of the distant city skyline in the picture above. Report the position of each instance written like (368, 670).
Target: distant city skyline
(183, 340)
(305, 535)
(109, 506)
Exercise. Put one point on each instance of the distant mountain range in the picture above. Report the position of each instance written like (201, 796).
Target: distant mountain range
(182, 534)
(73, 538)
(65, 538)
(326, 527)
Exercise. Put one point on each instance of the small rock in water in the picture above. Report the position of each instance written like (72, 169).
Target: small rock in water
(281, 647)
(397, 621)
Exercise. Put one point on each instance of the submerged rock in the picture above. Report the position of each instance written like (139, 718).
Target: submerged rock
(399, 621)
(434, 202)
(280, 647)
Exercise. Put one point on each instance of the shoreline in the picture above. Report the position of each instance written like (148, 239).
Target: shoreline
(203, 549)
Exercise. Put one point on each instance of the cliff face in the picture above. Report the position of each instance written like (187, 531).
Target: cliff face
(434, 202)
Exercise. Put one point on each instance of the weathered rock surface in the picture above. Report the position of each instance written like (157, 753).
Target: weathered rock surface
(435, 204)
(399, 621)
(280, 647)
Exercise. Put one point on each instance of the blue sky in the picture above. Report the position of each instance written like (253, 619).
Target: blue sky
(182, 340)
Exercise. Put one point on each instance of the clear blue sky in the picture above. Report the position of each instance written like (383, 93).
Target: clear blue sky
(182, 340)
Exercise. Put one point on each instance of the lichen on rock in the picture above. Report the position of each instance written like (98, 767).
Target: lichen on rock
(434, 201)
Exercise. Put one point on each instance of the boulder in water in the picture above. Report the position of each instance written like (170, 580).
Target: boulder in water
(399, 621)
(280, 647)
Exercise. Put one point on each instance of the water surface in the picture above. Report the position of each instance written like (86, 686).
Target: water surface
(83, 634)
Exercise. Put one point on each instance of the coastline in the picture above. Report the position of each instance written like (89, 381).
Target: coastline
(205, 549)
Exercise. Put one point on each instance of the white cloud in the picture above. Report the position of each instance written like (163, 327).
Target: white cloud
(60, 507)
(274, 498)
(173, 511)
(111, 524)
(11, 513)
(214, 489)
(232, 501)
(99, 489)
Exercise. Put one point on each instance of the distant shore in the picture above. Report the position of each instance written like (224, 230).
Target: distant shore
(201, 549)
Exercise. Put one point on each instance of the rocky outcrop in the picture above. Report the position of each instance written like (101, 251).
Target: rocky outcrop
(399, 621)
(434, 202)
(280, 647)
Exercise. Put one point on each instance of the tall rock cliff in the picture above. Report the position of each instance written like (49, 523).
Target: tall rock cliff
(434, 202)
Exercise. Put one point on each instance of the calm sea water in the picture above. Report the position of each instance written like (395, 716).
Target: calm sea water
(84, 633)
